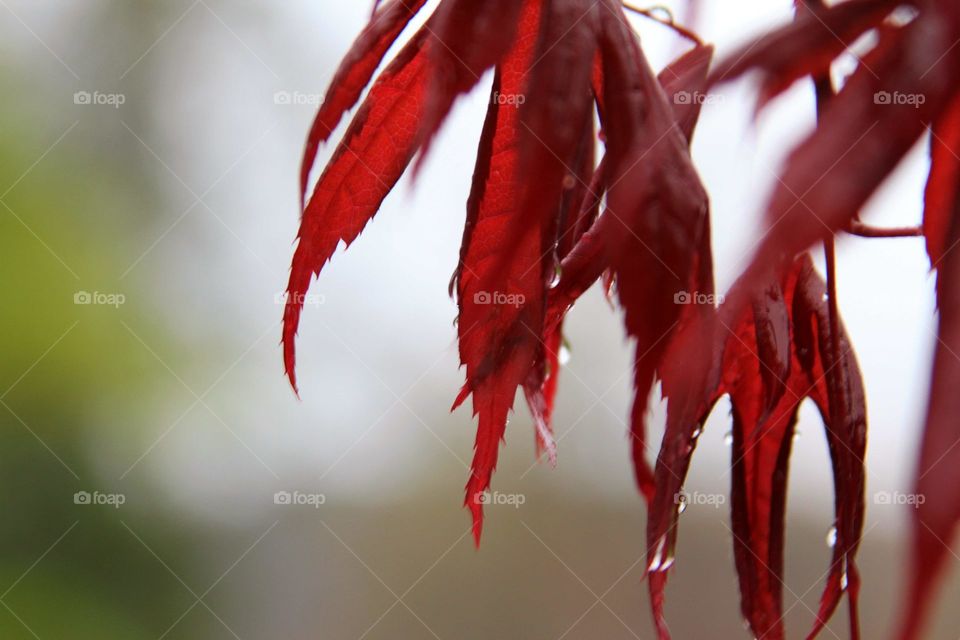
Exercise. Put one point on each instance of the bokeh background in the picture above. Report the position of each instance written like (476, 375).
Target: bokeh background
(145, 435)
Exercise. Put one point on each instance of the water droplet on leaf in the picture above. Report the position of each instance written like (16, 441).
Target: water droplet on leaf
(832, 537)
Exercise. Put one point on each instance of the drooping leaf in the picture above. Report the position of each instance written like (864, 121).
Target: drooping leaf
(837, 390)
(804, 47)
(577, 208)
(943, 184)
(937, 481)
(368, 162)
(468, 38)
(354, 74)
(655, 217)
(903, 84)
(500, 318)
(587, 260)
(762, 436)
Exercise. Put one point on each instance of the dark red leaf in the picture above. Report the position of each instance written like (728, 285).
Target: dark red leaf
(587, 260)
(762, 435)
(837, 388)
(577, 209)
(656, 211)
(805, 47)
(904, 83)
(772, 337)
(936, 516)
(942, 186)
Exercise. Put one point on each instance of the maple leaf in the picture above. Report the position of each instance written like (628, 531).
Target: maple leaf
(906, 83)
(536, 192)
(545, 221)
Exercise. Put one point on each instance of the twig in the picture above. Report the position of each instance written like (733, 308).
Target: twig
(668, 22)
(857, 228)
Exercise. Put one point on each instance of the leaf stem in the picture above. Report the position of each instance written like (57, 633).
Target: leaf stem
(651, 14)
(857, 228)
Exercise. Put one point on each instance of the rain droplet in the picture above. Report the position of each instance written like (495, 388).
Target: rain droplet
(832, 537)
(569, 182)
(844, 581)
(696, 433)
(656, 563)
(728, 439)
(555, 280)
(564, 355)
(682, 507)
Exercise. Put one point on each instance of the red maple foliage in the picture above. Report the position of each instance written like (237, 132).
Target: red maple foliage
(545, 220)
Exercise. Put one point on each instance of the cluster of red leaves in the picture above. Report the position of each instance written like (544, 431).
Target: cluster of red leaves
(545, 221)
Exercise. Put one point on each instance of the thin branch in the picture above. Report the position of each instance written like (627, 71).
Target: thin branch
(858, 228)
(651, 14)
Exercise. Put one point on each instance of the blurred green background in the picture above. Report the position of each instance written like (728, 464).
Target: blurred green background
(144, 235)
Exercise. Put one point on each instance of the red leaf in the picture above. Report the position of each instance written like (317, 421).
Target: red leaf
(577, 210)
(772, 338)
(805, 47)
(468, 37)
(942, 185)
(903, 84)
(354, 74)
(587, 260)
(500, 316)
(655, 218)
(763, 431)
(762, 435)
(557, 109)
(540, 390)
(935, 518)
(368, 162)
(837, 389)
